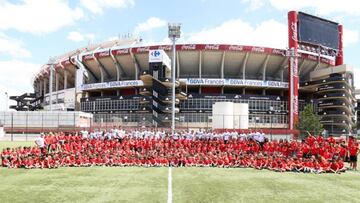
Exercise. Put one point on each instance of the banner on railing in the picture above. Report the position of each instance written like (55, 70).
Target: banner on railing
(112, 84)
(191, 82)
(234, 82)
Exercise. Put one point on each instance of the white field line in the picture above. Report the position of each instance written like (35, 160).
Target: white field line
(169, 186)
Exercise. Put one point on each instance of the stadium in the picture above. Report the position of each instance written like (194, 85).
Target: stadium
(107, 80)
(96, 128)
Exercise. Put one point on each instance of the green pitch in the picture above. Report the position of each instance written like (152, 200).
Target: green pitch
(135, 184)
(5, 144)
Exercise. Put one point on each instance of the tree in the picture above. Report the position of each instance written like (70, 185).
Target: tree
(309, 122)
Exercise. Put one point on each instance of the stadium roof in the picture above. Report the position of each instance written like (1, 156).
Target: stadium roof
(193, 61)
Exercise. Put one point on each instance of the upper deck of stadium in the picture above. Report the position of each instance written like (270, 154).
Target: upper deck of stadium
(118, 60)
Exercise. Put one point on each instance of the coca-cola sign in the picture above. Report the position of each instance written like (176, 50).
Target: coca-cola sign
(165, 47)
(294, 66)
(88, 57)
(258, 49)
(122, 51)
(104, 53)
(293, 28)
(235, 48)
(142, 49)
(295, 105)
(188, 47)
(278, 51)
(212, 47)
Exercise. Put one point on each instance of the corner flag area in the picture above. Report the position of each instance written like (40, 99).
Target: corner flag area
(189, 184)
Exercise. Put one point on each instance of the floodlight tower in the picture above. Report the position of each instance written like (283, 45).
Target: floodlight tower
(51, 63)
(6, 101)
(174, 34)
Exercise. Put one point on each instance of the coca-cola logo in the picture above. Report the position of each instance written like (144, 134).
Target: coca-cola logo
(258, 49)
(293, 28)
(122, 51)
(212, 47)
(88, 57)
(294, 67)
(236, 48)
(188, 47)
(102, 54)
(278, 51)
(165, 47)
(142, 49)
(295, 105)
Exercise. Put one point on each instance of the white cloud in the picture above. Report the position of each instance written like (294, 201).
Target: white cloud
(254, 4)
(13, 47)
(322, 7)
(356, 77)
(98, 6)
(78, 37)
(112, 38)
(149, 24)
(350, 37)
(269, 33)
(90, 36)
(75, 36)
(37, 16)
(14, 83)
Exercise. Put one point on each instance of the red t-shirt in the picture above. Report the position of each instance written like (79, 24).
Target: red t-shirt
(353, 150)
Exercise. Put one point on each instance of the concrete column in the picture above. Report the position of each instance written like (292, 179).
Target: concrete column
(136, 70)
(118, 71)
(222, 66)
(101, 74)
(57, 75)
(57, 85)
(44, 85)
(222, 70)
(40, 87)
(264, 67)
(65, 79)
(200, 64)
(244, 66)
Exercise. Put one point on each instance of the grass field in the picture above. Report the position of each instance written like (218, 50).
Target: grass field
(135, 184)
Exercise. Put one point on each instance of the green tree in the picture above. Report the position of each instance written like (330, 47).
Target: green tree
(309, 122)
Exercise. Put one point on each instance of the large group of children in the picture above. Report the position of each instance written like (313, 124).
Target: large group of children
(154, 148)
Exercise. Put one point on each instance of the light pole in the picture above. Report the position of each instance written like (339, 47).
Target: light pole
(6, 101)
(271, 109)
(174, 34)
(51, 63)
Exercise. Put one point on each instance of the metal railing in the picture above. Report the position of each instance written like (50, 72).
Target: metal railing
(25, 123)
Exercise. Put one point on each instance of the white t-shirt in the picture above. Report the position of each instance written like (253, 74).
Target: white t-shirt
(40, 142)
(84, 134)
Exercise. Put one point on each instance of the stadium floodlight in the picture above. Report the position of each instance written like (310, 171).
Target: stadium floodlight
(6, 101)
(174, 34)
(51, 63)
(174, 30)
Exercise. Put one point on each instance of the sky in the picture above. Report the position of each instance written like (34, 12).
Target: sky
(32, 31)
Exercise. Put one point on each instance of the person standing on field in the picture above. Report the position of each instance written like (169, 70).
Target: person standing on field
(40, 142)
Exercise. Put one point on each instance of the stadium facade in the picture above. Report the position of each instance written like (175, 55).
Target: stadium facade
(109, 80)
